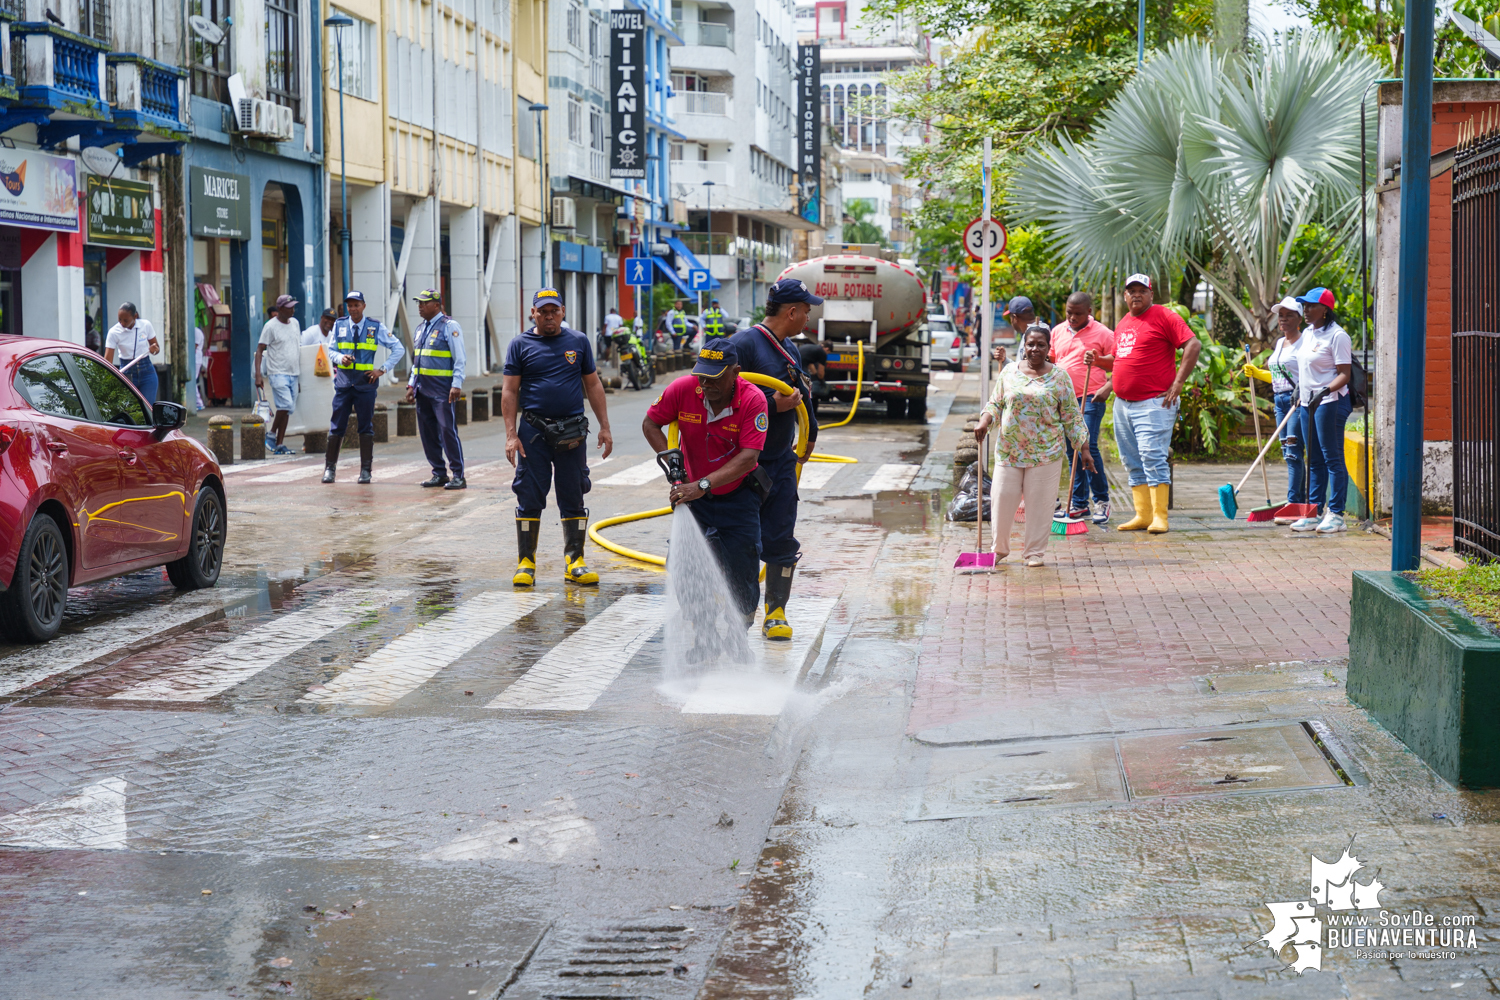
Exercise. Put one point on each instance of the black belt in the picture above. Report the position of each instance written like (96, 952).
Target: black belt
(559, 432)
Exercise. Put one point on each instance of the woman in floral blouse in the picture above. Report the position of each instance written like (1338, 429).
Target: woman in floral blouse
(1034, 403)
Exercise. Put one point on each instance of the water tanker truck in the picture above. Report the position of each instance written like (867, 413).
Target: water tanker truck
(874, 302)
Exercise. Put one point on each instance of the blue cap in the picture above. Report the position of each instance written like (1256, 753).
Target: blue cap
(1317, 297)
(428, 295)
(546, 296)
(791, 290)
(716, 356)
(1018, 305)
(355, 297)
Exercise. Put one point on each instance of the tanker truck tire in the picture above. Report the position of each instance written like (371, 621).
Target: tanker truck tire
(895, 408)
(916, 409)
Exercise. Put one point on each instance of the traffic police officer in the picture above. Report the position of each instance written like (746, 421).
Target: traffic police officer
(677, 323)
(766, 348)
(721, 426)
(355, 339)
(549, 370)
(713, 321)
(437, 377)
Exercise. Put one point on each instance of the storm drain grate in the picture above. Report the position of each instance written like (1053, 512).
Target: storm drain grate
(634, 960)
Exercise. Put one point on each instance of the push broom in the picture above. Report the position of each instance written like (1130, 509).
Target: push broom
(978, 559)
(1066, 525)
(1228, 499)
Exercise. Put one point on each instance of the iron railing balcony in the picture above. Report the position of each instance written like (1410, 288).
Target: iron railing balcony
(148, 96)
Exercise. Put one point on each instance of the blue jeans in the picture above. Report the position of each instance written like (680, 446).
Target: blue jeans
(1086, 481)
(1327, 475)
(143, 376)
(1143, 433)
(1291, 448)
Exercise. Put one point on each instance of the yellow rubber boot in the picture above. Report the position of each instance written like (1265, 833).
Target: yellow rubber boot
(575, 530)
(1159, 508)
(778, 590)
(526, 530)
(1142, 497)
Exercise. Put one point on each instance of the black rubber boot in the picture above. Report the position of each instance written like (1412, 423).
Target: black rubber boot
(526, 532)
(366, 456)
(778, 590)
(575, 531)
(331, 459)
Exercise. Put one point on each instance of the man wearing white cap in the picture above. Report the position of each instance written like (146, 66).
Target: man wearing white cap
(1147, 381)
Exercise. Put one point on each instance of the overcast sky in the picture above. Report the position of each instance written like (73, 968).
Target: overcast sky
(1268, 16)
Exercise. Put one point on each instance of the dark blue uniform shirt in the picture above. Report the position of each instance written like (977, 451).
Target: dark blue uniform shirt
(551, 370)
(759, 355)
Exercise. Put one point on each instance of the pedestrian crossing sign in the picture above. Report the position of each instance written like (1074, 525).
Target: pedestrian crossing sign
(638, 271)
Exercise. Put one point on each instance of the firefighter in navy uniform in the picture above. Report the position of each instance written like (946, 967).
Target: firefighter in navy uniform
(549, 371)
(437, 378)
(767, 349)
(713, 321)
(355, 339)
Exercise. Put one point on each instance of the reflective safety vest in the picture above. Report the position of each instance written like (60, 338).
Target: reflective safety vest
(713, 323)
(678, 321)
(433, 354)
(356, 343)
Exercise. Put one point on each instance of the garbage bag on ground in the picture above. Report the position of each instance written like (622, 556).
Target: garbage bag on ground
(965, 503)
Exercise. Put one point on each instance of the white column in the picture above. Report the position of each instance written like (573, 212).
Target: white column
(577, 309)
(465, 277)
(369, 245)
(52, 288)
(506, 307)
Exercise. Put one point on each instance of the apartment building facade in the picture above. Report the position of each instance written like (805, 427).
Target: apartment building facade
(734, 166)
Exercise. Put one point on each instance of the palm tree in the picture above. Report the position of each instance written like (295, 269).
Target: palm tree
(860, 228)
(1224, 162)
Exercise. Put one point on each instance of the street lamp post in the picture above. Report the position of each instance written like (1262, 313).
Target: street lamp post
(338, 22)
(708, 190)
(541, 171)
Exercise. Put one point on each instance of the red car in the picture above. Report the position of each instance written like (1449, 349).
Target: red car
(94, 482)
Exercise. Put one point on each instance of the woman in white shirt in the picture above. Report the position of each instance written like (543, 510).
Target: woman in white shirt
(1325, 357)
(129, 339)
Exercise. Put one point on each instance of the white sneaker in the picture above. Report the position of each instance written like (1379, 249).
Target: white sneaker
(1331, 523)
(1305, 524)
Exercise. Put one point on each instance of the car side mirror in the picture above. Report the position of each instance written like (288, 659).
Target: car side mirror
(168, 416)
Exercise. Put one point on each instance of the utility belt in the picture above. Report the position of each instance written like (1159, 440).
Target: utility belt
(757, 481)
(565, 433)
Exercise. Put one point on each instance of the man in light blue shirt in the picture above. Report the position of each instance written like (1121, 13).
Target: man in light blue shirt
(356, 380)
(437, 377)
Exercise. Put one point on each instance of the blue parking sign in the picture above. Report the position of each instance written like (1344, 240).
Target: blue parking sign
(699, 279)
(638, 271)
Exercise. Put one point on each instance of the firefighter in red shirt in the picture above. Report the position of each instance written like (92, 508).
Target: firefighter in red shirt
(721, 426)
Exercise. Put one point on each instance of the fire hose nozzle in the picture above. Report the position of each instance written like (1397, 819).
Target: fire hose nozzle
(673, 465)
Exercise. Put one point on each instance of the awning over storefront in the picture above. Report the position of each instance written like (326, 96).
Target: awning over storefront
(671, 275)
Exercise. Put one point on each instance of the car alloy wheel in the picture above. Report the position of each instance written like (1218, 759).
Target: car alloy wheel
(208, 536)
(48, 577)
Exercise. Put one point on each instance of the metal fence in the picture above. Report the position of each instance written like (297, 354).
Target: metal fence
(1476, 350)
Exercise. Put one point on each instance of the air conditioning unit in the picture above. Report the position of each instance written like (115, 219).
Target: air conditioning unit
(564, 213)
(263, 119)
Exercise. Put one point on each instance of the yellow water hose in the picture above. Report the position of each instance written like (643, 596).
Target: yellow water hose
(800, 447)
(859, 384)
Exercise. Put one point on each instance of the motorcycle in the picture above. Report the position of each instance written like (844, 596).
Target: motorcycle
(635, 364)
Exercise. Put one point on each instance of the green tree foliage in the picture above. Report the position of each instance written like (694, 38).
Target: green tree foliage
(1028, 267)
(860, 228)
(1376, 26)
(1245, 159)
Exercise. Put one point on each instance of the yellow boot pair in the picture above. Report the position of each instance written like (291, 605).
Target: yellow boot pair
(1150, 509)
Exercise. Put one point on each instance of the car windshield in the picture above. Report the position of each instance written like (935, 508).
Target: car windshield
(117, 402)
(940, 325)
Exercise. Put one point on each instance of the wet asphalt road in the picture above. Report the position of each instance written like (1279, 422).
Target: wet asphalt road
(364, 765)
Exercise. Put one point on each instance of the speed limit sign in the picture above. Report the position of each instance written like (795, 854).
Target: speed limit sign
(984, 241)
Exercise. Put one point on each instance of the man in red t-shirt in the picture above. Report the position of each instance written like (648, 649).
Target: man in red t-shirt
(721, 426)
(1147, 380)
(1081, 343)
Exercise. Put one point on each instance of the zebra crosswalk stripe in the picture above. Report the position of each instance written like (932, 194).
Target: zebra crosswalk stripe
(244, 656)
(68, 652)
(402, 666)
(575, 672)
(891, 477)
(636, 475)
(815, 475)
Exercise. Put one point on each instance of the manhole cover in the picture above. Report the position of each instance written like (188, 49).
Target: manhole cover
(969, 781)
(1244, 758)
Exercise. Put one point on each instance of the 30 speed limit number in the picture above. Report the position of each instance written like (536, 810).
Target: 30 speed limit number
(985, 240)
